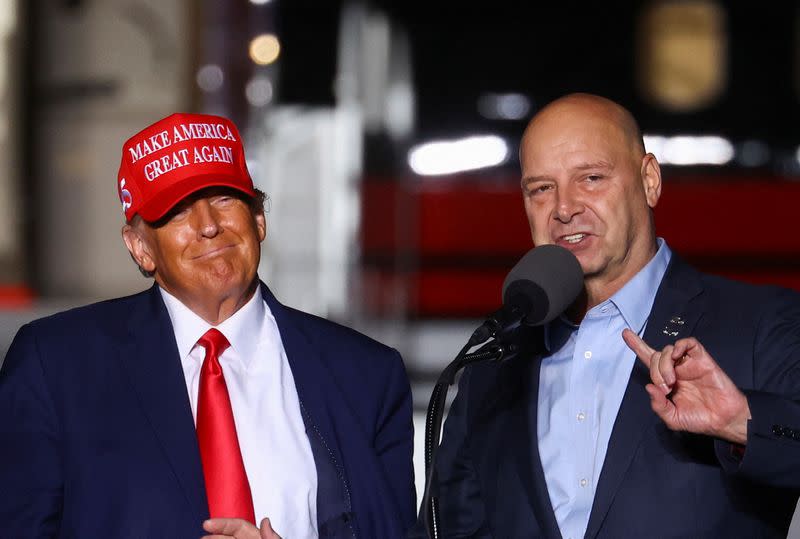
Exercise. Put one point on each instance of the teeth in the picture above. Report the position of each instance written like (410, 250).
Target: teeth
(574, 238)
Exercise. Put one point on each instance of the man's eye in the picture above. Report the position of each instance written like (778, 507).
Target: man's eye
(594, 177)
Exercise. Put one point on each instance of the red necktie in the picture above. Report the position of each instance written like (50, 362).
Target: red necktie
(226, 480)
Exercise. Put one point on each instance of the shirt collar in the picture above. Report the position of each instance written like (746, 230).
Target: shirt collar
(633, 301)
(241, 329)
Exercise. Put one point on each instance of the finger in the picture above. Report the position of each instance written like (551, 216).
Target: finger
(224, 526)
(666, 366)
(661, 405)
(231, 527)
(266, 530)
(639, 347)
(655, 372)
(688, 346)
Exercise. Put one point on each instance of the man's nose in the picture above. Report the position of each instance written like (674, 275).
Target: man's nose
(206, 219)
(567, 205)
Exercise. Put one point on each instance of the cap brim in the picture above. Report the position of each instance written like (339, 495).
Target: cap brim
(160, 204)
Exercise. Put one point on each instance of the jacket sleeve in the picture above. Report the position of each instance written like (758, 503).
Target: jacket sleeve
(772, 453)
(455, 482)
(30, 460)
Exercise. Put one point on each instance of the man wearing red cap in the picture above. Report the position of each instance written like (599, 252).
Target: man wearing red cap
(202, 405)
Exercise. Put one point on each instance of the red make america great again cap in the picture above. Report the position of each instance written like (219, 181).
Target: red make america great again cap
(171, 159)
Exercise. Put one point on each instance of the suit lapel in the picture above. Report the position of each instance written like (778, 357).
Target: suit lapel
(307, 367)
(150, 357)
(671, 318)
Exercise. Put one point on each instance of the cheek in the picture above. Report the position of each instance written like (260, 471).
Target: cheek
(538, 218)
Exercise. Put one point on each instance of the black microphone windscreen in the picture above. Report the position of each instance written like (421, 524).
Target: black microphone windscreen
(549, 277)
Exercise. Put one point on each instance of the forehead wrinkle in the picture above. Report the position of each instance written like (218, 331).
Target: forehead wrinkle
(594, 165)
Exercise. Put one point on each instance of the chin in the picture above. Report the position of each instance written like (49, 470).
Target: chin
(589, 266)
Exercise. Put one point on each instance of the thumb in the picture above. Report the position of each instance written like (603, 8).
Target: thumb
(266, 530)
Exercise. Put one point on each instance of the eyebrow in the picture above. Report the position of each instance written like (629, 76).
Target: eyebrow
(595, 164)
(527, 180)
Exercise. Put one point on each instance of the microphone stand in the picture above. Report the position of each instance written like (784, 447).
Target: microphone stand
(494, 350)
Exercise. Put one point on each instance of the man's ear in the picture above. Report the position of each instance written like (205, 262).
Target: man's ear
(651, 179)
(261, 226)
(137, 245)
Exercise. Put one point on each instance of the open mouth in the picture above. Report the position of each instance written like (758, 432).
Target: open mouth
(573, 238)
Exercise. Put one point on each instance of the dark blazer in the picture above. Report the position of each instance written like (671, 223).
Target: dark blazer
(97, 437)
(655, 483)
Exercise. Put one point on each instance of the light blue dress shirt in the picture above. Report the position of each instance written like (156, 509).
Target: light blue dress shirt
(581, 385)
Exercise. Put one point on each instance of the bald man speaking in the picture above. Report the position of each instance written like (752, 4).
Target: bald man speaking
(697, 438)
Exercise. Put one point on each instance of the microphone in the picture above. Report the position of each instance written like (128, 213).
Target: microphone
(537, 289)
(540, 287)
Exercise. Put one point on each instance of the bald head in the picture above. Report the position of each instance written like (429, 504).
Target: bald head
(590, 187)
(586, 107)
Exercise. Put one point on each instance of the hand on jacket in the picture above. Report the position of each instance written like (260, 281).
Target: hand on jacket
(690, 392)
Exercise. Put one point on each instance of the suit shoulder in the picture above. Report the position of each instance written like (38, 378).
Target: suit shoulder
(730, 291)
(729, 303)
(329, 333)
(86, 317)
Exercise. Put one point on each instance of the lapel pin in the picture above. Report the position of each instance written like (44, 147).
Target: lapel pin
(672, 328)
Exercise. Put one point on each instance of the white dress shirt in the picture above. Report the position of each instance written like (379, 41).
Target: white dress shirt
(275, 448)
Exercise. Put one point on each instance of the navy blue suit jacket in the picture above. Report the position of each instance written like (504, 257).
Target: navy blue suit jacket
(97, 437)
(655, 483)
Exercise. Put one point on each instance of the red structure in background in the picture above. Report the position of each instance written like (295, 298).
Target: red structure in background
(15, 297)
(447, 244)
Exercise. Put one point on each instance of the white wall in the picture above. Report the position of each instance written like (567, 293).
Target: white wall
(132, 61)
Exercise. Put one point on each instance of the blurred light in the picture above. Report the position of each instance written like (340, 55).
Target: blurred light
(683, 53)
(264, 49)
(752, 153)
(797, 155)
(258, 91)
(504, 106)
(260, 2)
(210, 78)
(399, 114)
(690, 150)
(451, 156)
(8, 17)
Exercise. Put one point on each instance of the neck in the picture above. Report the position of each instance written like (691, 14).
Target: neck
(215, 310)
(599, 288)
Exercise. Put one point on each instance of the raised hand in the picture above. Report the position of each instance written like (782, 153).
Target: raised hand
(689, 390)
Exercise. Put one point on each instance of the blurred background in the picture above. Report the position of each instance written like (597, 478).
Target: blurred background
(385, 134)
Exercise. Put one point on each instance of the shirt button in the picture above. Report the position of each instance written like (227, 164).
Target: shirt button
(584, 482)
(587, 354)
(581, 416)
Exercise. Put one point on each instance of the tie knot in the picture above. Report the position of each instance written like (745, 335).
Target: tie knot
(214, 342)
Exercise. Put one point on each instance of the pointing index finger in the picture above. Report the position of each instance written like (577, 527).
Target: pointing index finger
(640, 348)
